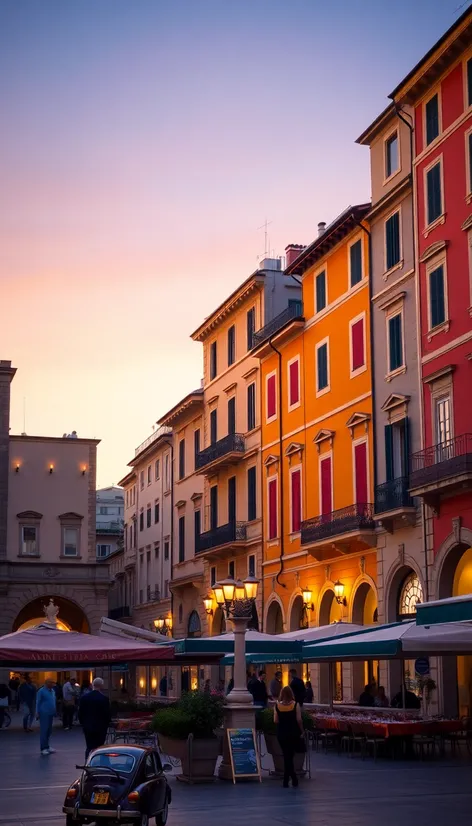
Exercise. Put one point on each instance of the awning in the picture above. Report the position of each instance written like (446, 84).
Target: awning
(322, 632)
(257, 658)
(256, 642)
(454, 609)
(402, 640)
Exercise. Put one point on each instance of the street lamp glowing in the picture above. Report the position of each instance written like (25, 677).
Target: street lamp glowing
(250, 585)
(208, 603)
(339, 592)
(306, 596)
(240, 590)
(159, 624)
(218, 594)
(229, 587)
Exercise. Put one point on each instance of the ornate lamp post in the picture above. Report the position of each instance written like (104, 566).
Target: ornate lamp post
(237, 599)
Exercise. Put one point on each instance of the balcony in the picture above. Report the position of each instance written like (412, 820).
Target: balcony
(223, 540)
(339, 532)
(226, 451)
(122, 612)
(294, 312)
(109, 527)
(442, 468)
(394, 505)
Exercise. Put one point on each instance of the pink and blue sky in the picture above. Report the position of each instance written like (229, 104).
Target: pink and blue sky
(143, 142)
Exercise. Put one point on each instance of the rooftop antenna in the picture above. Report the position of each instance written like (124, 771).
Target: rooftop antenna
(266, 236)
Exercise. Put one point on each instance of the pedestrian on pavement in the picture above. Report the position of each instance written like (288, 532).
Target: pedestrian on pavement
(68, 704)
(5, 700)
(288, 719)
(258, 689)
(14, 685)
(27, 694)
(45, 711)
(95, 716)
(163, 686)
(298, 686)
(308, 692)
(275, 685)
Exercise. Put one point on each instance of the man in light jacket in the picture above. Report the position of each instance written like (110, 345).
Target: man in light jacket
(45, 711)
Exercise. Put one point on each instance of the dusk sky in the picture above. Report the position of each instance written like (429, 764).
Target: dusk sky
(143, 143)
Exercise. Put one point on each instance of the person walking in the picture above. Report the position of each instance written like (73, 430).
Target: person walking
(27, 694)
(45, 711)
(275, 685)
(95, 716)
(309, 696)
(68, 704)
(288, 719)
(258, 689)
(5, 699)
(298, 686)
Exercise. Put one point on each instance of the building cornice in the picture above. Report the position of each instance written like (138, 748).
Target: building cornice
(252, 284)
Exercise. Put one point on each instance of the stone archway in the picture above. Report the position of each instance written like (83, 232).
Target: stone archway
(194, 626)
(364, 612)
(70, 614)
(274, 620)
(399, 577)
(297, 614)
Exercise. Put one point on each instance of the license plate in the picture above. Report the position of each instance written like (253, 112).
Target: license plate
(100, 798)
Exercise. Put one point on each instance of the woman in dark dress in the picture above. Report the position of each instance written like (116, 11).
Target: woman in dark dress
(288, 719)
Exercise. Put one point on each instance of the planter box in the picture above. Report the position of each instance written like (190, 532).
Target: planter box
(275, 751)
(198, 757)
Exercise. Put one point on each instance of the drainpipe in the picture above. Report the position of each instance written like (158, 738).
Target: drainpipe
(281, 496)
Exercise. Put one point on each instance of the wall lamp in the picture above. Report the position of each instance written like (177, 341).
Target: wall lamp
(51, 468)
(208, 603)
(84, 470)
(307, 600)
(17, 467)
(339, 593)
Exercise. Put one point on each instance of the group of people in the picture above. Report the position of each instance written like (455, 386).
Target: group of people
(374, 695)
(257, 686)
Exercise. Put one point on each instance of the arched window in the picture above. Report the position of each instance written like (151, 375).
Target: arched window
(194, 625)
(411, 593)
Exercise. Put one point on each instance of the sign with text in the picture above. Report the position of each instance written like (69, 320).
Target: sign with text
(422, 666)
(243, 753)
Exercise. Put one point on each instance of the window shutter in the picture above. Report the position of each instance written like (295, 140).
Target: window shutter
(355, 253)
(357, 344)
(231, 415)
(470, 144)
(271, 399)
(214, 507)
(322, 366)
(432, 119)
(232, 499)
(251, 407)
(213, 426)
(296, 500)
(392, 240)
(294, 388)
(326, 495)
(433, 182)
(395, 342)
(251, 494)
(196, 444)
(436, 290)
(469, 82)
(272, 493)
(360, 460)
(320, 291)
(389, 470)
(406, 446)
(182, 539)
(250, 319)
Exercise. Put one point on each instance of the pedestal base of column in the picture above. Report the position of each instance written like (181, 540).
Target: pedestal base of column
(236, 715)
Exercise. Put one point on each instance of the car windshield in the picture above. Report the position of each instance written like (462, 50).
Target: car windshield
(119, 761)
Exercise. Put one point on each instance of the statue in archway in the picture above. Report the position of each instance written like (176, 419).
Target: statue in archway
(51, 611)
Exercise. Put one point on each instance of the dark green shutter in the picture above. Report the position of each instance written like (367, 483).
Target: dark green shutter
(355, 253)
(251, 494)
(322, 367)
(232, 415)
(406, 446)
(320, 291)
(432, 119)
(392, 240)
(395, 342)
(433, 182)
(250, 328)
(436, 296)
(389, 471)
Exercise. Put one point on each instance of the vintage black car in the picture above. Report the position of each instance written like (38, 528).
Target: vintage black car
(119, 785)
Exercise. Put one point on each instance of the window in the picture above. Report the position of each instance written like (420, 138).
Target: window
(156, 554)
(103, 551)
(322, 367)
(469, 160)
(392, 241)
(213, 507)
(182, 539)
(443, 422)
(157, 469)
(395, 342)
(141, 480)
(432, 119)
(410, 595)
(251, 406)
(141, 596)
(293, 383)
(469, 82)
(295, 500)
(213, 360)
(392, 160)
(71, 542)
(357, 345)
(355, 262)
(397, 449)
(197, 524)
(320, 291)
(231, 345)
(148, 517)
(326, 486)
(251, 326)
(213, 426)
(166, 550)
(272, 499)
(212, 576)
(360, 472)
(271, 401)
(156, 512)
(196, 445)
(103, 511)
(251, 565)
(182, 459)
(167, 472)
(29, 545)
(149, 767)
(130, 536)
(437, 297)
(141, 521)
(232, 415)
(434, 205)
(251, 494)
(231, 569)
(232, 499)
(149, 475)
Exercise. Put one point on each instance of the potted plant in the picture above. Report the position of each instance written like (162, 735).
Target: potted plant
(265, 723)
(189, 732)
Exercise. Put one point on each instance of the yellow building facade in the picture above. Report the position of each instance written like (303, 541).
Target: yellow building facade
(319, 557)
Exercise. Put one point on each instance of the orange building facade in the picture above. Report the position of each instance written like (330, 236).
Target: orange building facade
(319, 538)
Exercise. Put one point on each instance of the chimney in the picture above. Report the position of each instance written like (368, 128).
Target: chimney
(321, 228)
(292, 251)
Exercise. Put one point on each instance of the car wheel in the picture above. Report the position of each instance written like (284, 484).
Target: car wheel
(161, 818)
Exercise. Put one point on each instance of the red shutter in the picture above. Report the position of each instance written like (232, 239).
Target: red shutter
(296, 497)
(271, 398)
(325, 474)
(357, 344)
(272, 508)
(294, 386)
(360, 467)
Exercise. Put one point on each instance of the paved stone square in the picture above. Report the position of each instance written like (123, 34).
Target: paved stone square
(342, 790)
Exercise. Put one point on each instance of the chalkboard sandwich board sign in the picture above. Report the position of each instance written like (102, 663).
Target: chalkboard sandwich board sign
(243, 752)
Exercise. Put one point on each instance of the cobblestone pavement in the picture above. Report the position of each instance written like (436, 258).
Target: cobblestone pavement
(342, 790)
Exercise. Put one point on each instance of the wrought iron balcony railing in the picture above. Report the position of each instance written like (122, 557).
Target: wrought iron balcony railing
(393, 495)
(345, 520)
(110, 527)
(223, 535)
(443, 461)
(119, 613)
(294, 310)
(232, 443)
